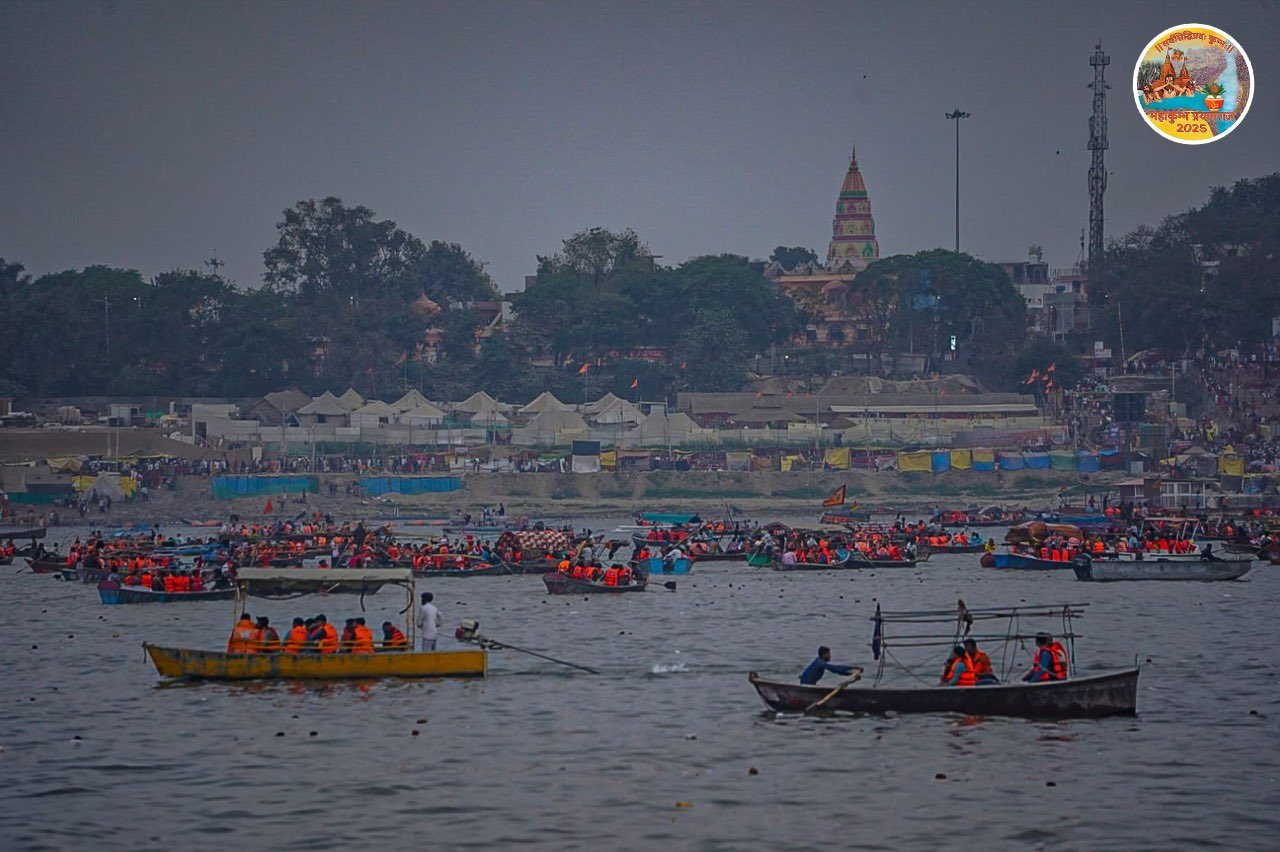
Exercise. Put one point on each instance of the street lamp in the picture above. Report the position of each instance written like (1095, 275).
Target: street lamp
(955, 115)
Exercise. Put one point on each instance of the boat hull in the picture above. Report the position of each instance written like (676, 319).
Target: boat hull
(658, 565)
(215, 665)
(561, 584)
(1204, 571)
(1018, 562)
(1110, 694)
(114, 593)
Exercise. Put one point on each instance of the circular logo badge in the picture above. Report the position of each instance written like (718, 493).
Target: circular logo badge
(1193, 84)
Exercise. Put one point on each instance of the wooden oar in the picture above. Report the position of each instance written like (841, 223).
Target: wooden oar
(853, 678)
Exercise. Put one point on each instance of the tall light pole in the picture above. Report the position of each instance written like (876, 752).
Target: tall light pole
(106, 316)
(955, 115)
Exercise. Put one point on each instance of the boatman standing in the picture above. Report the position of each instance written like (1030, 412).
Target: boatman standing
(428, 623)
(821, 665)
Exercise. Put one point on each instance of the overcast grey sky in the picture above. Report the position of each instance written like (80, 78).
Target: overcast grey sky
(151, 135)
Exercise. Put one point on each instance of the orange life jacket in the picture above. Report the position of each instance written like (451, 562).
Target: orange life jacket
(296, 641)
(397, 640)
(266, 641)
(242, 639)
(363, 643)
(329, 641)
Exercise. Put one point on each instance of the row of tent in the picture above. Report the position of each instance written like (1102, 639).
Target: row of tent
(940, 461)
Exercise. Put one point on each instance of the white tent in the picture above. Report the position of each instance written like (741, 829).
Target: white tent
(424, 415)
(489, 416)
(553, 421)
(351, 400)
(545, 401)
(664, 427)
(411, 400)
(106, 485)
(326, 408)
(600, 404)
(375, 413)
(619, 412)
(477, 402)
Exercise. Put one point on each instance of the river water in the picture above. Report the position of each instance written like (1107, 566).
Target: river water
(655, 751)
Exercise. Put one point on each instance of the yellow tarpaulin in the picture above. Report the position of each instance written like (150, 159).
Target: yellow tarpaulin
(609, 460)
(961, 459)
(762, 463)
(64, 464)
(789, 461)
(987, 456)
(1230, 463)
(921, 460)
(837, 457)
(82, 483)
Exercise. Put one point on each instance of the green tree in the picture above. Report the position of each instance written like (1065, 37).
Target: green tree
(597, 254)
(789, 257)
(714, 348)
(13, 278)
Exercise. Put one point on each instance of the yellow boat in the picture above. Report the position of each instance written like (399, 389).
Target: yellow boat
(289, 582)
(218, 665)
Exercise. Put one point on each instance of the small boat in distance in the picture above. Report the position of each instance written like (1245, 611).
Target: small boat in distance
(1203, 570)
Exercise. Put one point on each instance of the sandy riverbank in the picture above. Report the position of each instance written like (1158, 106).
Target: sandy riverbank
(760, 495)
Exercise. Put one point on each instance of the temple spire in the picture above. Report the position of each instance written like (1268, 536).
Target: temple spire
(853, 231)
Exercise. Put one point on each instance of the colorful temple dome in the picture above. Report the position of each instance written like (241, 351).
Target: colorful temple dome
(853, 231)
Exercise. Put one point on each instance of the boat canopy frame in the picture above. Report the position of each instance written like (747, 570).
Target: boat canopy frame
(267, 583)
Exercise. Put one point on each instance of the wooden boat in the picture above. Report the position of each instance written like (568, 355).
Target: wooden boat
(1109, 694)
(700, 558)
(6, 560)
(849, 561)
(1021, 562)
(114, 593)
(1204, 571)
(531, 566)
(563, 584)
(15, 533)
(658, 565)
(956, 548)
(48, 565)
(220, 665)
(759, 560)
(480, 570)
(870, 562)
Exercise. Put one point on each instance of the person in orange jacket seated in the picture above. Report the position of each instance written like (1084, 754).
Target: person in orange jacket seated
(242, 636)
(296, 641)
(363, 642)
(981, 663)
(393, 638)
(960, 669)
(265, 639)
(323, 635)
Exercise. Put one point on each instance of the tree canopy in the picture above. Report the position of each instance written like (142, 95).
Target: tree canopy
(1203, 278)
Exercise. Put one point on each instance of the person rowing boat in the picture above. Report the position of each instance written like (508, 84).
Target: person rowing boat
(821, 665)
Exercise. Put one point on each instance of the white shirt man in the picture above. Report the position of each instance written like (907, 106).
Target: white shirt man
(428, 623)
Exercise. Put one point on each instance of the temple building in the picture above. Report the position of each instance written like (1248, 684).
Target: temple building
(824, 290)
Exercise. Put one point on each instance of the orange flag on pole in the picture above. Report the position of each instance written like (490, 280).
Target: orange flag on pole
(582, 371)
(635, 382)
(836, 498)
(268, 509)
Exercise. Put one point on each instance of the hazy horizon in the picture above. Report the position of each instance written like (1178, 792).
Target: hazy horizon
(151, 136)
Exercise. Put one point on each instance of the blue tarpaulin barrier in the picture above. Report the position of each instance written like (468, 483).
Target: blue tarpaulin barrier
(1036, 461)
(376, 486)
(941, 461)
(1011, 461)
(228, 487)
(1087, 462)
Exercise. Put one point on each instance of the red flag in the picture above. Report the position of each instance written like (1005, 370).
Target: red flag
(790, 394)
(683, 364)
(1052, 367)
(636, 382)
(836, 498)
(268, 509)
(582, 371)
(1035, 374)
